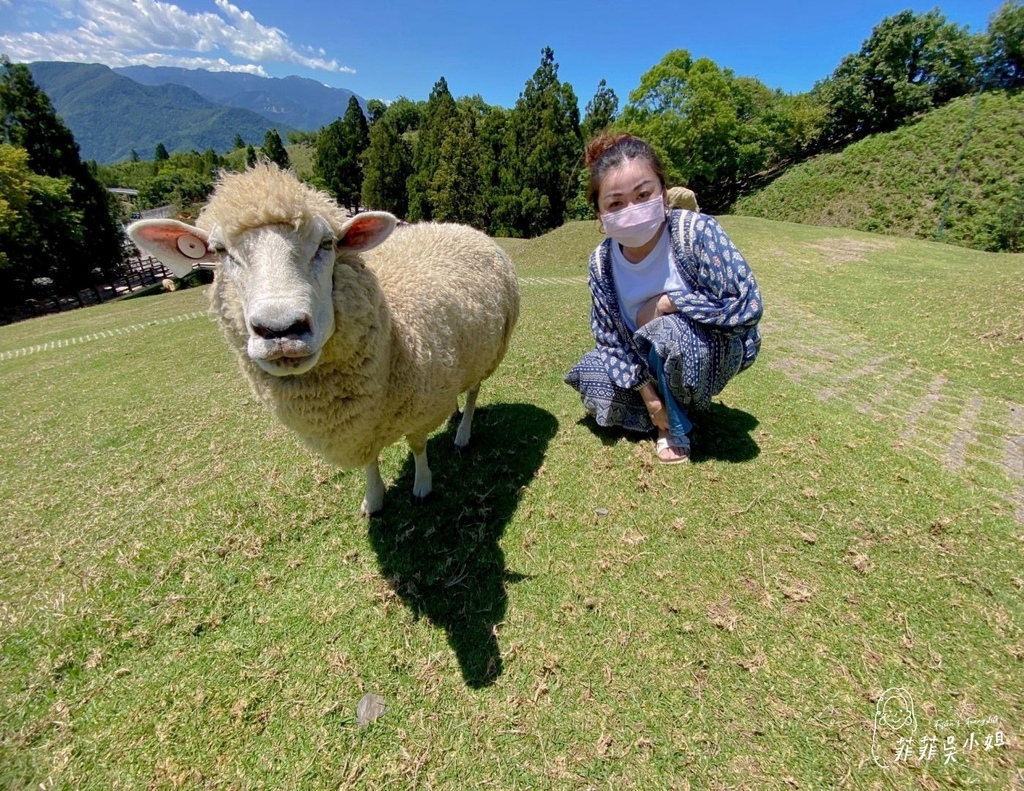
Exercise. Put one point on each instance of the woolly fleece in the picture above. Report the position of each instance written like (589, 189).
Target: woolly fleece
(421, 318)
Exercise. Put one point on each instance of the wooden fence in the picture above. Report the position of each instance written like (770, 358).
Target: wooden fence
(139, 273)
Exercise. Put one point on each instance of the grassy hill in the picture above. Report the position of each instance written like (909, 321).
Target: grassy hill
(911, 181)
(189, 599)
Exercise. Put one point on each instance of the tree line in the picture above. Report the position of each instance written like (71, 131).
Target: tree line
(510, 172)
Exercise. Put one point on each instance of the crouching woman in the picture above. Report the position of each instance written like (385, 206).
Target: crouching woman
(674, 308)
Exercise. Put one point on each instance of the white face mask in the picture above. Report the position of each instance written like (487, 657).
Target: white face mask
(635, 225)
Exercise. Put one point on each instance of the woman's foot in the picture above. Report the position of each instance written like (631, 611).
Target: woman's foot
(672, 450)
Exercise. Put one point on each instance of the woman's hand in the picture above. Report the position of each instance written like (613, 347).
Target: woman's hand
(659, 305)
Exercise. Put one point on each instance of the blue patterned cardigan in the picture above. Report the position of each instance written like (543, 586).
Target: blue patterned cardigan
(720, 295)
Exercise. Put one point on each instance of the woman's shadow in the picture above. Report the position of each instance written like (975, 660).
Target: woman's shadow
(443, 557)
(721, 433)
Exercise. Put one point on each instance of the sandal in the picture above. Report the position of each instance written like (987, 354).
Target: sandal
(672, 451)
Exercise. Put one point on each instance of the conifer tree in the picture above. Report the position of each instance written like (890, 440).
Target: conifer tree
(600, 112)
(273, 148)
(545, 149)
(437, 117)
(355, 138)
(339, 147)
(387, 163)
(457, 189)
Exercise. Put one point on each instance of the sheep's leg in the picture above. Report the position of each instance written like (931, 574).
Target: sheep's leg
(465, 427)
(424, 482)
(374, 498)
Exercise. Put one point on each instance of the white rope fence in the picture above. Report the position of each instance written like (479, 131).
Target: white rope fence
(97, 336)
(114, 333)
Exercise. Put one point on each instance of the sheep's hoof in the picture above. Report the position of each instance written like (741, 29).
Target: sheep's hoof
(366, 511)
(421, 499)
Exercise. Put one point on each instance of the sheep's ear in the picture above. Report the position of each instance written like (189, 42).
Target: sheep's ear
(175, 244)
(366, 230)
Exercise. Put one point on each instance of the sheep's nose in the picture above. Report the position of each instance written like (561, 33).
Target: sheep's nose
(284, 328)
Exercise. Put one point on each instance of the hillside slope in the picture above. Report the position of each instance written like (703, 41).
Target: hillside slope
(110, 115)
(920, 180)
(296, 102)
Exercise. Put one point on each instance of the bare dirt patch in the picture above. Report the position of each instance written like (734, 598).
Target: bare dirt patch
(844, 250)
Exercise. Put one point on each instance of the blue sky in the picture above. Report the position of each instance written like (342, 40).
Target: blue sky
(388, 49)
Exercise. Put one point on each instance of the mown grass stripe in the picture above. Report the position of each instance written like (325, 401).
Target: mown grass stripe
(948, 421)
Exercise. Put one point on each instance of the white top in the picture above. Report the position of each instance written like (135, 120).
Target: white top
(637, 283)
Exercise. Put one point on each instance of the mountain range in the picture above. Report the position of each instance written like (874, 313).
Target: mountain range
(114, 112)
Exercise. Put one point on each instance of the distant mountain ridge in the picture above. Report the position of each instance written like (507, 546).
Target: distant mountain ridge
(296, 102)
(112, 112)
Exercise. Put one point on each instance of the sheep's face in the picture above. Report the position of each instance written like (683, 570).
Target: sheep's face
(284, 280)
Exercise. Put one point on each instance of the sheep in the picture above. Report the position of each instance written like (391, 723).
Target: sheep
(353, 333)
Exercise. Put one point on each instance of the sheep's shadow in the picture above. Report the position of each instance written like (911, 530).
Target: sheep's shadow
(721, 433)
(443, 557)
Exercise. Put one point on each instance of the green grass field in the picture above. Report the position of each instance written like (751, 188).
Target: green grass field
(188, 599)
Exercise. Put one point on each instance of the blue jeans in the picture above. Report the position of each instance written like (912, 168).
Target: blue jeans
(679, 424)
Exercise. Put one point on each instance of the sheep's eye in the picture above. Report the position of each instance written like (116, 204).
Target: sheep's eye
(327, 244)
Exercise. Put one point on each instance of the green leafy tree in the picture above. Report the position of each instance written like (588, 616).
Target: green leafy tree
(273, 148)
(375, 110)
(161, 155)
(387, 163)
(1004, 56)
(600, 112)
(775, 129)
(15, 197)
(239, 143)
(717, 133)
(910, 63)
(545, 148)
(438, 115)
(406, 114)
(250, 156)
(689, 111)
(657, 111)
(28, 121)
(40, 232)
(182, 188)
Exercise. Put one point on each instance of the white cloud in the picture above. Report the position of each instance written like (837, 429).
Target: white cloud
(156, 33)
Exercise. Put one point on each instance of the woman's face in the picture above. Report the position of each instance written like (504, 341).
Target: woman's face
(632, 182)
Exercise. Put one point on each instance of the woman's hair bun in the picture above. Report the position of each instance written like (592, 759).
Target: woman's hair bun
(600, 144)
